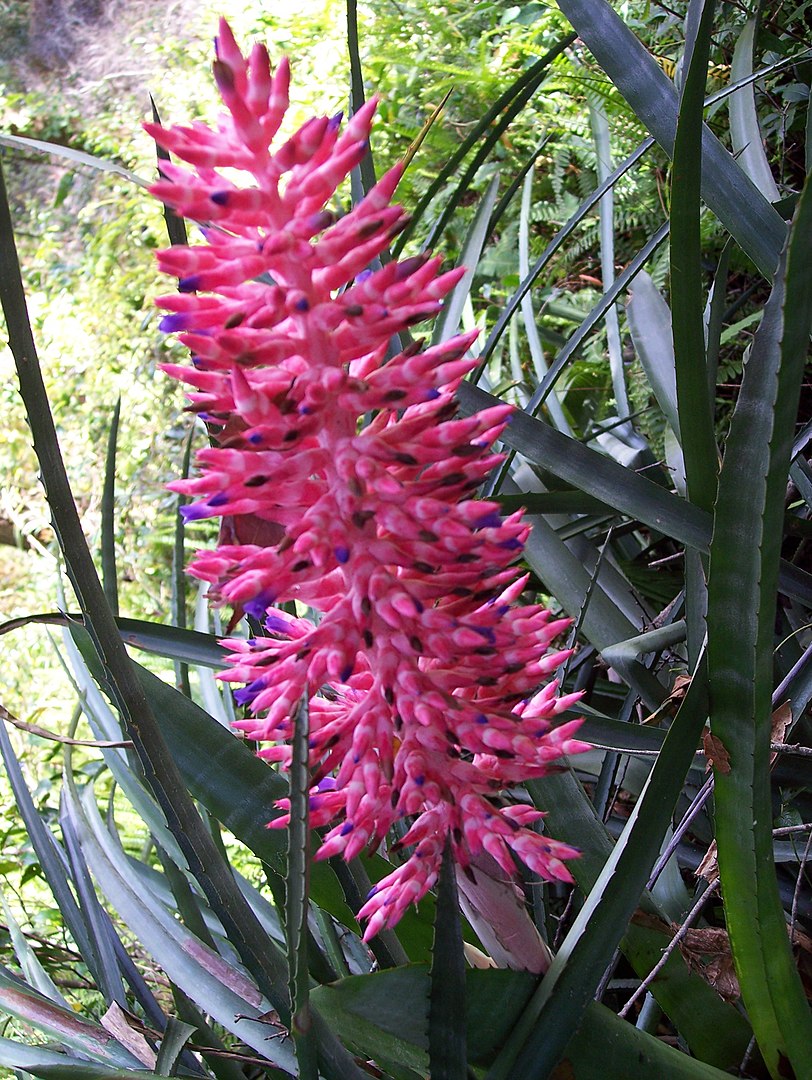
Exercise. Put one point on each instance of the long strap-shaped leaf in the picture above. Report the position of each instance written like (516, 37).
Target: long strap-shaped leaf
(366, 170)
(557, 1007)
(623, 489)
(729, 193)
(715, 1031)
(592, 472)
(296, 901)
(448, 321)
(741, 615)
(383, 1016)
(694, 408)
(447, 1041)
(58, 1023)
(693, 397)
(108, 514)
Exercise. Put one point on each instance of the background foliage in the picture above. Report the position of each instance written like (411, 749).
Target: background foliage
(617, 463)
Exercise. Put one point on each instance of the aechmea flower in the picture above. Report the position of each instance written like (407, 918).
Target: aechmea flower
(344, 480)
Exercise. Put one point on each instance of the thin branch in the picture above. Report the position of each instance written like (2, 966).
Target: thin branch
(787, 830)
(673, 943)
(796, 894)
(789, 748)
(44, 733)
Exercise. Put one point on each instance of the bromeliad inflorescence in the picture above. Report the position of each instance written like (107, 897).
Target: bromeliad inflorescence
(422, 671)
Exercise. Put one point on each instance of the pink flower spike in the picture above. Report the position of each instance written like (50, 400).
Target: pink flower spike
(426, 674)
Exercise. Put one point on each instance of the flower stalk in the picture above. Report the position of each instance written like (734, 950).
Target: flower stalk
(345, 483)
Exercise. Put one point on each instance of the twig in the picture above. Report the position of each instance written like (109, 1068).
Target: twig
(699, 801)
(44, 733)
(791, 748)
(796, 894)
(787, 830)
(673, 943)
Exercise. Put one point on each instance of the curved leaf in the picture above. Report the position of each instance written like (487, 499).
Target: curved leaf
(741, 616)
(383, 1016)
(557, 1007)
(745, 133)
(726, 189)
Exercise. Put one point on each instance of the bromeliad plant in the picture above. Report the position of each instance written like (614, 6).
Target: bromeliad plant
(392, 676)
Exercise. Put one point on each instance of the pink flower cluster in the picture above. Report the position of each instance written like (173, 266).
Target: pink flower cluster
(348, 471)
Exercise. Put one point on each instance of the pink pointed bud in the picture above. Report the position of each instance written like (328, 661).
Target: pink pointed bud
(260, 84)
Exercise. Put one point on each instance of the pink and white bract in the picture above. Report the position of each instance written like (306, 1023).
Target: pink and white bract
(423, 671)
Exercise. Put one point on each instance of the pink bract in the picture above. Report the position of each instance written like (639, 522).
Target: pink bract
(425, 676)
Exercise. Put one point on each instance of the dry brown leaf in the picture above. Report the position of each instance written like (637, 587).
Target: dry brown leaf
(779, 723)
(672, 702)
(716, 753)
(708, 952)
(705, 941)
(721, 974)
(802, 940)
(127, 1029)
(709, 867)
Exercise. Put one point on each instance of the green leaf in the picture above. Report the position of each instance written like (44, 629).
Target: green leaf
(603, 151)
(650, 326)
(383, 1017)
(745, 133)
(45, 847)
(60, 1023)
(528, 315)
(102, 958)
(178, 600)
(726, 189)
(108, 516)
(35, 974)
(366, 170)
(698, 455)
(693, 397)
(594, 317)
(570, 501)
(296, 895)
(447, 1042)
(217, 986)
(578, 466)
(175, 225)
(599, 617)
(171, 642)
(76, 157)
(715, 1030)
(81, 1070)
(741, 618)
(557, 1007)
(47, 1065)
(174, 1038)
(190, 646)
(218, 769)
(448, 321)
